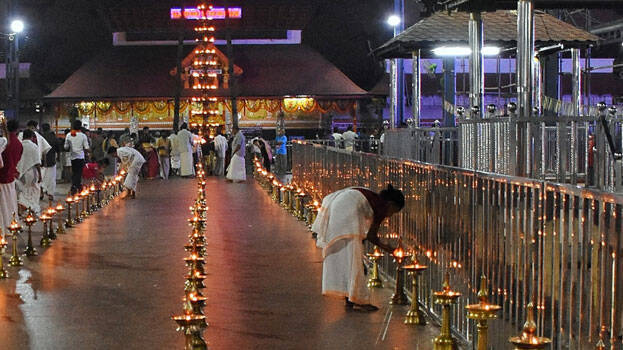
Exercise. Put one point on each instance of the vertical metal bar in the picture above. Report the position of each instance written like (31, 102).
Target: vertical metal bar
(416, 87)
(576, 97)
(525, 53)
(393, 93)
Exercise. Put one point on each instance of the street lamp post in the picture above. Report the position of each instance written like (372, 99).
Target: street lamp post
(396, 20)
(16, 27)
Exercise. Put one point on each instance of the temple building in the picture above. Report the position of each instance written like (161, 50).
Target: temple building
(133, 84)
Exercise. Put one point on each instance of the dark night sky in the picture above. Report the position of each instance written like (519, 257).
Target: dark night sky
(63, 34)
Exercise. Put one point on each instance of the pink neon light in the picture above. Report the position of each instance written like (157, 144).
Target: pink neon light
(194, 13)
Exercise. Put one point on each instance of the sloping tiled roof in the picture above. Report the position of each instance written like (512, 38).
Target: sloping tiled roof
(500, 27)
(268, 71)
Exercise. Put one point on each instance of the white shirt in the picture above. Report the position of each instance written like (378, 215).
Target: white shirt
(349, 138)
(130, 157)
(42, 144)
(76, 145)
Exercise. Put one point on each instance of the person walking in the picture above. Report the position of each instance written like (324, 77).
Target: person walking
(185, 143)
(78, 145)
(220, 148)
(48, 173)
(29, 178)
(346, 219)
(281, 151)
(163, 146)
(237, 169)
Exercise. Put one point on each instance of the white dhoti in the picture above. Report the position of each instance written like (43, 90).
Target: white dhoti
(165, 166)
(219, 166)
(175, 162)
(8, 204)
(48, 181)
(29, 191)
(341, 225)
(236, 171)
(131, 179)
(186, 164)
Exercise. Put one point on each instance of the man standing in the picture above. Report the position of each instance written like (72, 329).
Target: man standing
(237, 170)
(349, 138)
(164, 147)
(185, 140)
(282, 153)
(175, 153)
(131, 161)
(97, 139)
(42, 145)
(48, 174)
(77, 144)
(220, 148)
(11, 149)
(29, 168)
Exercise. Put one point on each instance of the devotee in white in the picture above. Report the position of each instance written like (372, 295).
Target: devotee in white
(236, 170)
(185, 140)
(347, 218)
(220, 147)
(29, 168)
(42, 144)
(175, 153)
(131, 161)
(349, 138)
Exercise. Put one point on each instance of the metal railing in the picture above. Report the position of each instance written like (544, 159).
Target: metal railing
(556, 245)
(430, 145)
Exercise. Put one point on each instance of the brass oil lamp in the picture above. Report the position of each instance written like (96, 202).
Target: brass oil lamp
(415, 315)
(60, 229)
(51, 212)
(528, 338)
(446, 298)
(193, 303)
(481, 313)
(197, 222)
(195, 263)
(269, 183)
(194, 282)
(95, 197)
(300, 203)
(45, 239)
(69, 222)
(30, 220)
(197, 237)
(192, 326)
(375, 280)
(15, 228)
(86, 211)
(77, 218)
(3, 243)
(399, 297)
(275, 190)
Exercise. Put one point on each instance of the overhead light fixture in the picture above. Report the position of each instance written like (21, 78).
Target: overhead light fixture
(460, 51)
(393, 20)
(17, 26)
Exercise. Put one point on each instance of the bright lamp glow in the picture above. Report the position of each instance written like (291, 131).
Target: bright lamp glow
(460, 51)
(490, 50)
(17, 26)
(456, 51)
(393, 20)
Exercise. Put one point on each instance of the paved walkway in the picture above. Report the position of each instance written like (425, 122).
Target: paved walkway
(114, 281)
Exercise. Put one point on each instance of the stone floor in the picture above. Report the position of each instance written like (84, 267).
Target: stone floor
(114, 281)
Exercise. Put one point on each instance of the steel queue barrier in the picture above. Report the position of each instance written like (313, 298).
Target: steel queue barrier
(556, 245)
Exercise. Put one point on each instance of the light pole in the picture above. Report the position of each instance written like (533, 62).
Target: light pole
(12, 69)
(397, 68)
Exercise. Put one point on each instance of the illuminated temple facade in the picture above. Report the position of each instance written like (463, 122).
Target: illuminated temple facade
(133, 84)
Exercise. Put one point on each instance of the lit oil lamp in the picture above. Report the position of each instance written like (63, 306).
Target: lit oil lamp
(30, 220)
(300, 199)
(15, 228)
(86, 195)
(375, 280)
(414, 315)
(3, 243)
(69, 222)
(194, 282)
(103, 198)
(446, 298)
(95, 201)
(51, 212)
(192, 326)
(528, 338)
(196, 248)
(276, 188)
(482, 312)
(399, 297)
(60, 229)
(195, 263)
(45, 239)
(77, 219)
(193, 303)
(197, 222)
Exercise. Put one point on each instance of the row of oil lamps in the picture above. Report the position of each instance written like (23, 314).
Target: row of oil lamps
(193, 321)
(85, 202)
(297, 201)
